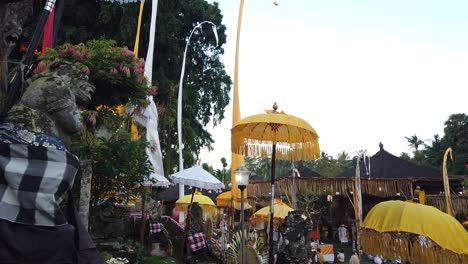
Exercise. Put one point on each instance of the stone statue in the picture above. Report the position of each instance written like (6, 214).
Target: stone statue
(294, 247)
(195, 218)
(12, 17)
(44, 118)
(51, 100)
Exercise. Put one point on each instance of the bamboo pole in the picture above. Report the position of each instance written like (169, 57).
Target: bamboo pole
(358, 205)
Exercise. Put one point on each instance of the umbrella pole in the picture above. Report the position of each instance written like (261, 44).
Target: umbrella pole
(187, 221)
(193, 194)
(271, 253)
(143, 218)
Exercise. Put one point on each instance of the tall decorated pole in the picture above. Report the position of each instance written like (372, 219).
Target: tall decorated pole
(137, 38)
(236, 159)
(179, 101)
(357, 195)
(448, 200)
(149, 116)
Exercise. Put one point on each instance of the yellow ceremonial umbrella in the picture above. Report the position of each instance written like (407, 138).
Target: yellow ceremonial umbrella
(286, 135)
(205, 203)
(225, 199)
(281, 135)
(281, 212)
(414, 232)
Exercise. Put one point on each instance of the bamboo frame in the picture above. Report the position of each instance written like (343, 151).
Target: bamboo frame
(376, 187)
(326, 186)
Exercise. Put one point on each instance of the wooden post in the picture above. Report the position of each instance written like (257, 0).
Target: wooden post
(358, 204)
(271, 252)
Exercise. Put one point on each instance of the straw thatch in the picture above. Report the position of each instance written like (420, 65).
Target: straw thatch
(384, 165)
(333, 186)
(459, 203)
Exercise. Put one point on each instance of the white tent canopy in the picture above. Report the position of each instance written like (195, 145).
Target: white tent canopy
(196, 176)
(160, 181)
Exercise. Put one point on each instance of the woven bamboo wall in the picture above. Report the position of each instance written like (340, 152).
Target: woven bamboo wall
(325, 186)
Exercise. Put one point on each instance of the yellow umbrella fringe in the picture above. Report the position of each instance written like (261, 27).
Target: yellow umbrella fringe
(299, 151)
(406, 247)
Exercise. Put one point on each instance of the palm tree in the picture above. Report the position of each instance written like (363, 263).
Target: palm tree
(414, 142)
(224, 163)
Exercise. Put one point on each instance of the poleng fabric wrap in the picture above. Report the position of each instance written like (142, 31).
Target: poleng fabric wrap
(197, 241)
(34, 180)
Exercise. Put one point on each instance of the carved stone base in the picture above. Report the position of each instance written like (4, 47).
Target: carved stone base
(157, 251)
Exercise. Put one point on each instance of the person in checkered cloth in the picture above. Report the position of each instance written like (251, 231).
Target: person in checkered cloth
(197, 247)
(37, 171)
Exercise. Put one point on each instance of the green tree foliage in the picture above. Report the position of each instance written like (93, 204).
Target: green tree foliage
(206, 83)
(456, 137)
(226, 175)
(116, 73)
(120, 165)
(405, 156)
(415, 143)
(328, 166)
(261, 167)
(113, 172)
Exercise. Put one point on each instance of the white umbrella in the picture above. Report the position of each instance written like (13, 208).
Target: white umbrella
(197, 177)
(160, 181)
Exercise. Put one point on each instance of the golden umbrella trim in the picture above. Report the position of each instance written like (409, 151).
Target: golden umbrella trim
(294, 137)
(225, 199)
(281, 211)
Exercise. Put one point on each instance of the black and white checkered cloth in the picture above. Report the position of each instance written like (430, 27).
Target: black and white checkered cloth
(33, 181)
(155, 228)
(197, 241)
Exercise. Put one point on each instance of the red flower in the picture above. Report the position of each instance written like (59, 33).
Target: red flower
(23, 47)
(154, 90)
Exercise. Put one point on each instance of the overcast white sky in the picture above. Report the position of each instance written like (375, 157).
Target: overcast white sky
(359, 72)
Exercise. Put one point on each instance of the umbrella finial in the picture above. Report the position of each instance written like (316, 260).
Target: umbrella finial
(381, 146)
(275, 107)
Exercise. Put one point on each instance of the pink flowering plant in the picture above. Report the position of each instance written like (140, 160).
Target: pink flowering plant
(116, 73)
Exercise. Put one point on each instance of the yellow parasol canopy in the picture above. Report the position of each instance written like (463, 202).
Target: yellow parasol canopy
(224, 200)
(281, 211)
(294, 137)
(417, 233)
(205, 202)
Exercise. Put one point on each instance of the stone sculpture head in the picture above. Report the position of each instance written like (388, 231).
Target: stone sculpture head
(12, 18)
(50, 102)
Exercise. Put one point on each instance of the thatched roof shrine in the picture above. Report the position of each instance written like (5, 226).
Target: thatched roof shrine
(384, 165)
